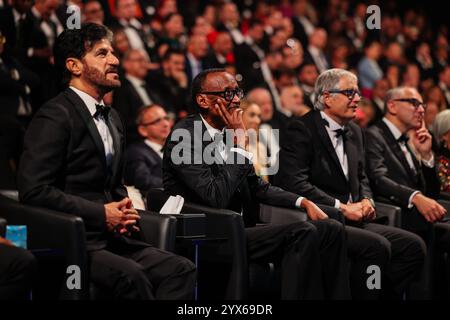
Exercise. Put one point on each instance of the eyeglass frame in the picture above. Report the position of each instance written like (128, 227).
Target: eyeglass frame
(156, 121)
(222, 93)
(343, 91)
(413, 101)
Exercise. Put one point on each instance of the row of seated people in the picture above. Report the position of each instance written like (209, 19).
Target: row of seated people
(74, 155)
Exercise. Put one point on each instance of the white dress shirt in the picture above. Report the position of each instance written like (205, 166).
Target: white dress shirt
(47, 28)
(196, 65)
(408, 155)
(319, 58)
(100, 123)
(223, 152)
(136, 42)
(139, 86)
(338, 145)
(155, 147)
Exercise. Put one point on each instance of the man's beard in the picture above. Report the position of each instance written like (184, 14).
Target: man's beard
(97, 78)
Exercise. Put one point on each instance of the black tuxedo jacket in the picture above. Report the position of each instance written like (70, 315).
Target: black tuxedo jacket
(231, 186)
(143, 167)
(11, 89)
(63, 165)
(309, 165)
(127, 101)
(389, 172)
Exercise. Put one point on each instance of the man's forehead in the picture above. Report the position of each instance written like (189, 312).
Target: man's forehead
(103, 43)
(220, 80)
(410, 93)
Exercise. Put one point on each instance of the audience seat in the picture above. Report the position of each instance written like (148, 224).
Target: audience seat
(63, 234)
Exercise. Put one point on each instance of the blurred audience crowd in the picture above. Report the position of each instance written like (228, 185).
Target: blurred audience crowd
(276, 50)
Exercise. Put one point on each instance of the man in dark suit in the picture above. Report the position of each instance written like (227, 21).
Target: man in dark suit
(13, 20)
(42, 28)
(322, 157)
(144, 158)
(171, 83)
(396, 174)
(16, 83)
(135, 91)
(73, 161)
(205, 171)
(197, 49)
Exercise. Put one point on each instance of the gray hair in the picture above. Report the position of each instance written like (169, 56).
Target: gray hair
(329, 80)
(396, 92)
(441, 124)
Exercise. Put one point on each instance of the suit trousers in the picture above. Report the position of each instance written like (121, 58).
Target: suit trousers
(142, 272)
(312, 256)
(399, 254)
(17, 269)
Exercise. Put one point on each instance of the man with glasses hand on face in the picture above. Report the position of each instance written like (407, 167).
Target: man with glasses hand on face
(322, 157)
(398, 176)
(312, 255)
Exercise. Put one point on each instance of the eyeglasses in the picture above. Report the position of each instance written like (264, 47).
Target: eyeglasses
(156, 121)
(414, 102)
(228, 94)
(349, 93)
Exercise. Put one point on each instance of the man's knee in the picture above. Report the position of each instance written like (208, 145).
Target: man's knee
(184, 265)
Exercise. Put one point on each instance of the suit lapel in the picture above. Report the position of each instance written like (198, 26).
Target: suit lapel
(351, 151)
(325, 139)
(83, 110)
(393, 144)
(117, 143)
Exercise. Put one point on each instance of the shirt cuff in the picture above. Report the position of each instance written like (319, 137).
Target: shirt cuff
(429, 163)
(410, 204)
(244, 153)
(298, 203)
(337, 204)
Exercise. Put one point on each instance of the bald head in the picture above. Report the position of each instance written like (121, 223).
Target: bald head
(263, 99)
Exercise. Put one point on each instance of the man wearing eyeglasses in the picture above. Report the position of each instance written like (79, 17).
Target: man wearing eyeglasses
(144, 158)
(312, 254)
(397, 175)
(322, 158)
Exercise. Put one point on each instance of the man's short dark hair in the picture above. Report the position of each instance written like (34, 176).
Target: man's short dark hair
(75, 43)
(199, 81)
(142, 110)
(170, 52)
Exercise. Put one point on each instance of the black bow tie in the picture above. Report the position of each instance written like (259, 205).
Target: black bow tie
(341, 133)
(102, 110)
(403, 139)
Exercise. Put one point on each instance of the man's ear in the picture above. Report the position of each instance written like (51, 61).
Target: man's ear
(142, 131)
(326, 99)
(201, 100)
(391, 108)
(74, 66)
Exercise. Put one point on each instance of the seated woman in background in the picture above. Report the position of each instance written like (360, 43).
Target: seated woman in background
(442, 133)
(252, 120)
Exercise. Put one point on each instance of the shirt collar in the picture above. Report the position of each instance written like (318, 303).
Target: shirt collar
(133, 22)
(211, 130)
(155, 146)
(286, 112)
(332, 125)
(394, 130)
(88, 100)
(17, 15)
(36, 13)
(314, 50)
(135, 81)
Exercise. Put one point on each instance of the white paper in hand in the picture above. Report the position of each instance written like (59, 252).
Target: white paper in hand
(173, 205)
